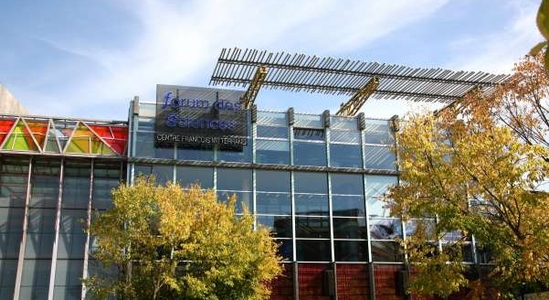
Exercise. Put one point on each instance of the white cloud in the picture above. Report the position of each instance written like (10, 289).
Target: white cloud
(180, 41)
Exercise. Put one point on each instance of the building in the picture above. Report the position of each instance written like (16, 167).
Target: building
(10, 105)
(314, 179)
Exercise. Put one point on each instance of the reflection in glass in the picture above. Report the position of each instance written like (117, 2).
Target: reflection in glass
(307, 227)
(310, 182)
(273, 181)
(385, 229)
(279, 226)
(273, 203)
(238, 154)
(350, 228)
(351, 250)
(342, 155)
(313, 250)
(272, 152)
(242, 199)
(379, 157)
(234, 179)
(310, 154)
(350, 206)
(272, 131)
(311, 204)
(386, 252)
(195, 175)
(198, 152)
(347, 184)
(376, 187)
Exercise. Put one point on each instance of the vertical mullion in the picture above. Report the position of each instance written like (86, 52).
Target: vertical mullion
(88, 224)
(56, 230)
(21, 258)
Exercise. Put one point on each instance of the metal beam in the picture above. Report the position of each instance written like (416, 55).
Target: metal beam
(255, 85)
(351, 108)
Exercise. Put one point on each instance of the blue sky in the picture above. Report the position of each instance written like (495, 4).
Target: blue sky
(89, 58)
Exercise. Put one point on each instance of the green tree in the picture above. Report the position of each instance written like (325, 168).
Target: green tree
(468, 172)
(166, 242)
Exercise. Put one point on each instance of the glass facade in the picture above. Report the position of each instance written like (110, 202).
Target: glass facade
(315, 181)
(49, 188)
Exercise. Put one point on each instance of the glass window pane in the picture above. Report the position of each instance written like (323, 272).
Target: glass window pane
(351, 206)
(376, 187)
(272, 118)
(273, 181)
(273, 152)
(308, 121)
(163, 173)
(272, 131)
(386, 252)
(350, 228)
(310, 154)
(347, 184)
(306, 227)
(242, 198)
(285, 248)
(379, 157)
(76, 186)
(144, 145)
(343, 123)
(235, 154)
(349, 156)
(234, 179)
(309, 182)
(378, 132)
(351, 137)
(280, 226)
(313, 250)
(351, 250)
(190, 175)
(203, 153)
(273, 203)
(310, 204)
(9, 246)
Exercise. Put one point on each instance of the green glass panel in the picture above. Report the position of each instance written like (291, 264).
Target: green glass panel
(51, 143)
(78, 145)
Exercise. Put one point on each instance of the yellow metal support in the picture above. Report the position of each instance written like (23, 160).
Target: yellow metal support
(351, 108)
(249, 97)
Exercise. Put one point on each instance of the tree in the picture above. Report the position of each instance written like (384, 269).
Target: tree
(475, 170)
(165, 242)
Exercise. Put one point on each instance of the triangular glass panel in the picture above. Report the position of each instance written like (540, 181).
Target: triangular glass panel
(5, 127)
(38, 130)
(86, 141)
(20, 139)
(51, 143)
(63, 130)
(115, 137)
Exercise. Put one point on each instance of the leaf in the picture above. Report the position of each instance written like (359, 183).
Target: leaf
(543, 18)
(537, 48)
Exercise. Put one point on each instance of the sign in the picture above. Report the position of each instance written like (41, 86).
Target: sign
(190, 117)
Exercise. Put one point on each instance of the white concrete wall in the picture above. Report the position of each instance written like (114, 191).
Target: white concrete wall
(10, 105)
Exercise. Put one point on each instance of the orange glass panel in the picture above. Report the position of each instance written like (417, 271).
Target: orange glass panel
(38, 130)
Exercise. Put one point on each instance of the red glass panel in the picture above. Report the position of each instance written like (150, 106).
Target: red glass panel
(5, 127)
(116, 137)
(312, 281)
(386, 282)
(282, 287)
(352, 281)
